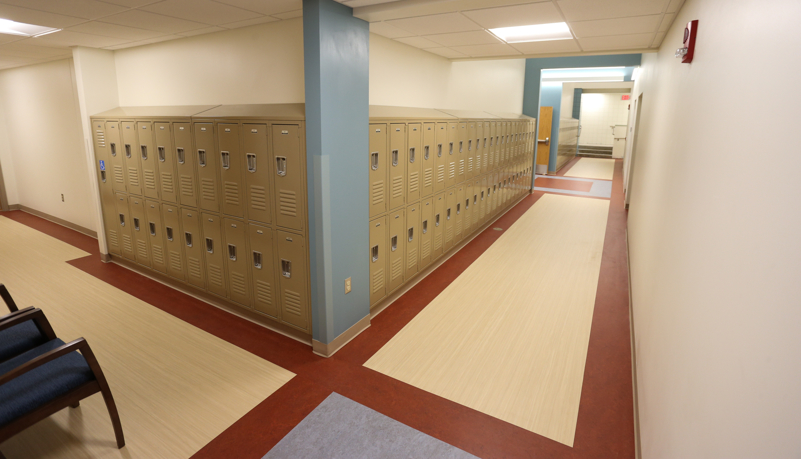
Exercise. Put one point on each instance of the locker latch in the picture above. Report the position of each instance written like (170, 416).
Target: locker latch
(411, 234)
(113, 149)
(374, 253)
(461, 145)
(411, 155)
(251, 157)
(232, 252)
(394, 158)
(436, 220)
(450, 152)
(458, 208)
(425, 226)
(448, 214)
(180, 154)
(188, 237)
(169, 234)
(122, 220)
(162, 154)
(374, 161)
(201, 158)
(152, 229)
(257, 259)
(394, 243)
(469, 145)
(280, 165)
(209, 245)
(439, 150)
(286, 268)
(467, 204)
(144, 151)
(103, 176)
(136, 224)
(127, 150)
(226, 159)
(425, 153)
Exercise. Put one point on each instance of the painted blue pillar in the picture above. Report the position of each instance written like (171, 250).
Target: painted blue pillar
(336, 63)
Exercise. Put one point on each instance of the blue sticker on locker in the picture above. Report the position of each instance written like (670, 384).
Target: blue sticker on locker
(102, 165)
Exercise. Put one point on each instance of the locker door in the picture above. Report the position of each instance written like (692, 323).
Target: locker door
(289, 192)
(139, 230)
(441, 158)
(230, 157)
(426, 231)
(461, 165)
(207, 167)
(193, 247)
(153, 230)
(453, 155)
(173, 241)
(485, 147)
(116, 156)
(498, 146)
(378, 260)
(414, 162)
(483, 203)
(475, 210)
(237, 261)
(471, 151)
(449, 217)
(147, 154)
(427, 155)
(397, 245)
(412, 240)
(493, 145)
(214, 253)
(166, 158)
(185, 164)
(458, 208)
(467, 210)
(124, 225)
(379, 172)
(439, 226)
(262, 262)
(133, 167)
(397, 164)
(502, 143)
(257, 173)
(292, 277)
(479, 149)
(106, 186)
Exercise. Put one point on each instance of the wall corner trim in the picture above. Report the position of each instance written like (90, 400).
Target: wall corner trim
(327, 350)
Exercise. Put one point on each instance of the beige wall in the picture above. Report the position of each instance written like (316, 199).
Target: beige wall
(714, 236)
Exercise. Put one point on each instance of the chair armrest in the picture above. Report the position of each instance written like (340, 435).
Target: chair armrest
(15, 313)
(79, 344)
(37, 315)
(12, 306)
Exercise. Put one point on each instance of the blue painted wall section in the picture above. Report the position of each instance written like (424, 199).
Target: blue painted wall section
(577, 102)
(336, 59)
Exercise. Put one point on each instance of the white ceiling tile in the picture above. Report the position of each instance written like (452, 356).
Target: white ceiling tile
(360, 3)
(419, 42)
(487, 50)
(388, 30)
(446, 52)
(479, 37)
(202, 31)
(114, 30)
(86, 9)
(619, 26)
(151, 21)
(66, 38)
(131, 3)
(289, 14)
(666, 21)
(37, 17)
(436, 23)
(248, 22)
(266, 6)
(518, 15)
(674, 6)
(547, 47)
(586, 10)
(635, 41)
(204, 11)
(658, 40)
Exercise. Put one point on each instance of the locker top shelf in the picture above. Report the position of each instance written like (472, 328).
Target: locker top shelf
(514, 116)
(169, 111)
(257, 111)
(391, 112)
(470, 114)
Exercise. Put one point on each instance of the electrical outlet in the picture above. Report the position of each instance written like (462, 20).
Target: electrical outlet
(62, 197)
(347, 285)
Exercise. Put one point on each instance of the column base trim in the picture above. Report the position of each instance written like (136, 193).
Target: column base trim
(327, 350)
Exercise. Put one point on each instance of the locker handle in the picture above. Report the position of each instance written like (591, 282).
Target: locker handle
(280, 165)
(232, 252)
(136, 224)
(374, 161)
(448, 214)
(103, 176)
(251, 157)
(411, 234)
(201, 158)
(128, 150)
(467, 204)
(374, 253)
(439, 150)
(113, 149)
(425, 153)
(411, 155)
(469, 145)
(436, 220)
(162, 154)
(181, 156)
(458, 208)
(286, 268)
(450, 152)
(475, 198)
(169, 234)
(188, 238)
(257, 259)
(394, 243)
(425, 226)
(394, 158)
(209, 245)
(143, 148)
(226, 160)
(122, 220)
(461, 144)
(152, 229)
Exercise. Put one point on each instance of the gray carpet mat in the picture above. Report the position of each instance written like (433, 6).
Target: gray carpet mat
(340, 428)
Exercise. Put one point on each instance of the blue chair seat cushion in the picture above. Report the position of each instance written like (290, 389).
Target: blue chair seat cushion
(20, 338)
(42, 385)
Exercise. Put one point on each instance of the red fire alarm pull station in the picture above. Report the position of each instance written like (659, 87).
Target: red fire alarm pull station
(626, 97)
(688, 49)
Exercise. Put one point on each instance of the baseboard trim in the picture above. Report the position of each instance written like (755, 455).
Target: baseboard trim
(53, 219)
(637, 444)
(327, 350)
(105, 258)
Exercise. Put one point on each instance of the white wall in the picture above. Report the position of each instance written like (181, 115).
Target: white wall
(43, 132)
(599, 111)
(405, 76)
(714, 229)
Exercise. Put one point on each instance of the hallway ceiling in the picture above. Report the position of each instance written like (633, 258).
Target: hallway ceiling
(455, 29)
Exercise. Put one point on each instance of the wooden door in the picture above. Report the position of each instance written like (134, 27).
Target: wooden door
(544, 137)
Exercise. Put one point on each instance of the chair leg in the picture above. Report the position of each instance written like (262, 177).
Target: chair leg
(75, 405)
(113, 414)
(1, 455)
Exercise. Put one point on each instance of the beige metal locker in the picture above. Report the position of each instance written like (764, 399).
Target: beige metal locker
(427, 155)
(208, 176)
(106, 186)
(459, 222)
(262, 263)
(233, 199)
(397, 164)
(173, 241)
(413, 215)
(426, 231)
(257, 172)
(214, 253)
(449, 219)
(467, 210)
(414, 162)
(439, 227)
(378, 260)
(483, 201)
(139, 230)
(397, 246)
(293, 275)
(441, 159)
(470, 167)
(124, 226)
(290, 191)
(475, 211)
(237, 261)
(379, 171)
(133, 167)
(165, 156)
(453, 155)
(158, 254)
(116, 153)
(193, 247)
(147, 156)
(185, 164)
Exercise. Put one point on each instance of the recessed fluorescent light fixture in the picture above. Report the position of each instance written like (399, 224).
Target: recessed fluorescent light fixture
(539, 32)
(10, 27)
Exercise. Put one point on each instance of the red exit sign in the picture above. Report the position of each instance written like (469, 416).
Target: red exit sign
(625, 98)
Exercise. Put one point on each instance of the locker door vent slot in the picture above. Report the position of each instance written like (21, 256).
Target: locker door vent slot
(257, 259)
(128, 150)
(426, 153)
(152, 229)
(113, 149)
(232, 252)
(136, 224)
(374, 253)
(280, 165)
(180, 154)
(436, 220)
(201, 158)
(169, 234)
(188, 237)
(286, 268)
(144, 151)
(162, 154)
(411, 155)
(394, 243)
(394, 158)
(122, 220)
(209, 245)
(425, 226)
(103, 176)
(226, 159)
(251, 157)
(411, 234)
